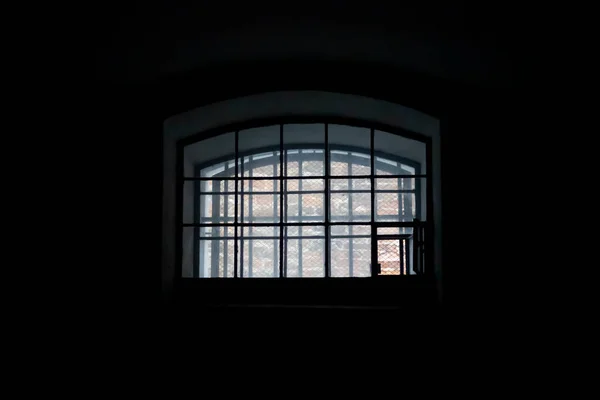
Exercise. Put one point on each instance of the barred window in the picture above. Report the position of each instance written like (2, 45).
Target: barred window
(309, 200)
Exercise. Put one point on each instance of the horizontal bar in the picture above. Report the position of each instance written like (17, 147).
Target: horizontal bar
(274, 178)
(318, 191)
(393, 237)
(289, 237)
(399, 224)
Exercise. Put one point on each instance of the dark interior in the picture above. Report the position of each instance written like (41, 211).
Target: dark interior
(452, 60)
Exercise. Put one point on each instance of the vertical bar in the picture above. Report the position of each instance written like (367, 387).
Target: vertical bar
(275, 258)
(214, 244)
(373, 206)
(416, 246)
(428, 235)
(284, 215)
(196, 246)
(300, 213)
(241, 269)
(327, 204)
(407, 241)
(225, 229)
(235, 228)
(281, 200)
(350, 214)
(402, 266)
(250, 211)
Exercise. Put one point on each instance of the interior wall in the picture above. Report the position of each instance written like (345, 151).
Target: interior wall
(276, 104)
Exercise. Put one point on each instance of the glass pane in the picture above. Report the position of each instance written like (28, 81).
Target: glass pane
(313, 257)
(394, 256)
(397, 155)
(261, 186)
(350, 184)
(206, 151)
(312, 207)
(350, 251)
(396, 183)
(304, 144)
(395, 206)
(294, 185)
(349, 145)
(350, 206)
(261, 207)
(261, 258)
(259, 151)
(305, 248)
(349, 163)
(395, 231)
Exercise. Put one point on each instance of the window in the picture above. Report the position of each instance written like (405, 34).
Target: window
(308, 200)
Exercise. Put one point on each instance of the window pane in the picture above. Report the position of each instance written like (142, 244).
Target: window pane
(312, 206)
(261, 207)
(350, 206)
(395, 206)
(313, 257)
(261, 258)
(390, 149)
(305, 246)
(305, 144)
(259, 151)
(350, 251)
(349, 163)
(294, 185)
(345, 143)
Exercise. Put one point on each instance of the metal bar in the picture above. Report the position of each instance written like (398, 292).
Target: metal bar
(374, 260)
(250, 211)
(394, 237)
(275, 264)
(235, 258)
(266, 178)
(350, 205)
(401, 249)
(428, 239)
(281, 201)
(379, 224)
(300, 218)
(291, 237)
(323, 191)
(241, 270)
(327, 204)
(358, 220)
(225, 230)
(197, 212)
(284, 215)
(214, 250)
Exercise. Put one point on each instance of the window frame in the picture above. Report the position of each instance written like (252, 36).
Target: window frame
(257, 123)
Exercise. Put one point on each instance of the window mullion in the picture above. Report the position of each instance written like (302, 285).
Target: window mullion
(350, 230)
(327, 204)
(250, 212)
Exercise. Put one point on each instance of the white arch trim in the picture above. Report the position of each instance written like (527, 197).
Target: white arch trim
(281, 104)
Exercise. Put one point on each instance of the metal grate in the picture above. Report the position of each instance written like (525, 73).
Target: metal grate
(388, 257)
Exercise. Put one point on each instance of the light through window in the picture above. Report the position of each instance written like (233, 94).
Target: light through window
(302, 201)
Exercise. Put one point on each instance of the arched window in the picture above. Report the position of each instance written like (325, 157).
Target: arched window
(303, 200)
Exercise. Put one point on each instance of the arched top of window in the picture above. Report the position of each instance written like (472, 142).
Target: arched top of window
(260, 148)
